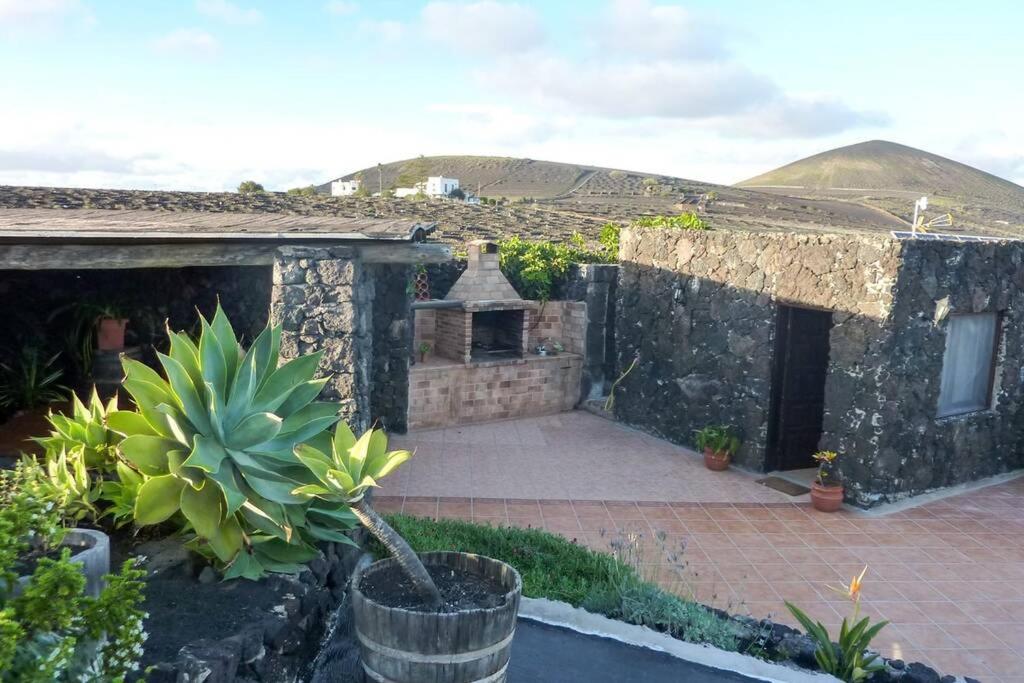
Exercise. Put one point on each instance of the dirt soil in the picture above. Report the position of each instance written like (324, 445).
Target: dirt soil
(461, 590)
(182, 610)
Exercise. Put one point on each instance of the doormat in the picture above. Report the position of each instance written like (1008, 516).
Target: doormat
(787, 487)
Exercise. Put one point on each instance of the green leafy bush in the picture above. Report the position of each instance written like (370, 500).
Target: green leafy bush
(684, 221)
(250, 187)
(214, 442)
(51, 631)
(536, 269)
(67, 482)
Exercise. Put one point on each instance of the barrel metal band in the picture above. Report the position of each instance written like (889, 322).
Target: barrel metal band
(416, 657)
(493, 678)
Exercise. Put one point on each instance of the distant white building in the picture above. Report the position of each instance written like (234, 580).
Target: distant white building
(439, 186)
(344, 188)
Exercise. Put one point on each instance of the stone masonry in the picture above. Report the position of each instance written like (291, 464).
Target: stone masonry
(697, 309)
(322, 299)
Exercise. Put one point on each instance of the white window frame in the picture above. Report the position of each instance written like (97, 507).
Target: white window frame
(966, 363)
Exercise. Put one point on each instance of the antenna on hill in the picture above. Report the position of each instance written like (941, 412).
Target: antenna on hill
(919, 225)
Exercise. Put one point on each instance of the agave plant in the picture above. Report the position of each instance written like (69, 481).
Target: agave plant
(121, 494)
(215, 439)
(66, 481)
(85, 430)
(344, 475)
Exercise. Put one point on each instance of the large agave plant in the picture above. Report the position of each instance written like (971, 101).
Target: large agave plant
(215, 442)
(84, 430)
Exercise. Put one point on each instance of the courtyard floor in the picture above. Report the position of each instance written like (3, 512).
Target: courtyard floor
(948, 574)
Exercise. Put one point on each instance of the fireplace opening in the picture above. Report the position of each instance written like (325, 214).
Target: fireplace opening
(497, 334)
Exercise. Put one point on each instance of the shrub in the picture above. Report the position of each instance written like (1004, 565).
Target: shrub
(52, 631)
(684, 221)
(536, 269)
(213, 443)
(307, 191)
(250, 187)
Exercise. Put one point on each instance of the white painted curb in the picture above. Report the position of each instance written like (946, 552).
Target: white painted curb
(565, 615)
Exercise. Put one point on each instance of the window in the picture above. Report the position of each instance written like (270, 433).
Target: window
(968, 366)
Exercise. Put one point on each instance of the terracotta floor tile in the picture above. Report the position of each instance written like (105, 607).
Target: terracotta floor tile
(949, 573)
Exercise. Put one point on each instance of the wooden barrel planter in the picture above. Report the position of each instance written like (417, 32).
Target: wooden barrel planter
(470, 646)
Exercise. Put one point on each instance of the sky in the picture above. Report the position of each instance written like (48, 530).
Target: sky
(201, 94)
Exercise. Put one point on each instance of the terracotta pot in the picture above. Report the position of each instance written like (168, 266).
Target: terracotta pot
(110, 334)
(716, 461)
(826, 498)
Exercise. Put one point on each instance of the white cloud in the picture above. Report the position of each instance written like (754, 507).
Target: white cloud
(191, 42)
(495, 125)
(229, 12)
(385, 30)
(40, 13)
(341, 8)
(639, 27)
(485, 27)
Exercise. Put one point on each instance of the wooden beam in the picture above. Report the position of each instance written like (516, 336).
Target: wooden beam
(405, 253)
(114, 257)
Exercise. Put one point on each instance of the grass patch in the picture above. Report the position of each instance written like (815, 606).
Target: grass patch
(555, 568)
(551, 566)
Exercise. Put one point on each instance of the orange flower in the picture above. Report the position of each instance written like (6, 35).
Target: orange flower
(851, 592)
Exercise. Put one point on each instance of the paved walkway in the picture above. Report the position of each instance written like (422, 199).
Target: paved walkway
(949, 575)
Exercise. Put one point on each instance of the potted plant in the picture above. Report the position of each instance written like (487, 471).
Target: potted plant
(442, 616)
(827, 488)
(424, 350)
(110, 327)
(719, 443)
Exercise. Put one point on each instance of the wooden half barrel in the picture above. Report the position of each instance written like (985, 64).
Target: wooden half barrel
(471, 646)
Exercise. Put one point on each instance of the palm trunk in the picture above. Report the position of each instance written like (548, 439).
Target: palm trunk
(400, 550)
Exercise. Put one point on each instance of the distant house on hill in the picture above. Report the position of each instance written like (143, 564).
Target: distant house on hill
(434, 186)
(345, 188)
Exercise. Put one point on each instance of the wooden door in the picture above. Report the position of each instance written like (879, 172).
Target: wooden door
(798, 387)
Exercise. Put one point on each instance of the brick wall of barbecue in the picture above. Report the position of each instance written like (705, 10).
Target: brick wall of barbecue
(479, 393)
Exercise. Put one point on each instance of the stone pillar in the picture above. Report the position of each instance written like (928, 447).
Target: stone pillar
(595, 285)
(322, 299)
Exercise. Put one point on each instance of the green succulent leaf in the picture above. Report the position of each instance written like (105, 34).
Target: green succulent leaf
(207, 454)
(158, 499)
(128, 423)
(148, 453)
(203, 508)
(257, 428)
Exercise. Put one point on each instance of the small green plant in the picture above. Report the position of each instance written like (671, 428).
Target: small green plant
(848, 660)
(424, 349)
(250, 187)
(718, 438)
(84, 431)
(344, 474)
(684, 221)
(68, 483)
(609, 240)
(826, 468)
(121, 494)
(307, 191)
(31, 380)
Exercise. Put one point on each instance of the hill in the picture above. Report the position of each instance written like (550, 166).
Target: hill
(890, 176)
(513, 178)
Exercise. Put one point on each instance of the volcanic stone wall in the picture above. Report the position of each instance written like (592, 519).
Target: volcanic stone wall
(392, 345)
(698, 311)
(917, 451)
(322, 299)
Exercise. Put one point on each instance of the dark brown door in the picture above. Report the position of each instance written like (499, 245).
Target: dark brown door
(798, 387)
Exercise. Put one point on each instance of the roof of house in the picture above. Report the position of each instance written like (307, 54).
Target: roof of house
(148, 225)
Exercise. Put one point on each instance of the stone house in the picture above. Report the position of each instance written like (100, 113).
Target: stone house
(905, 355)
